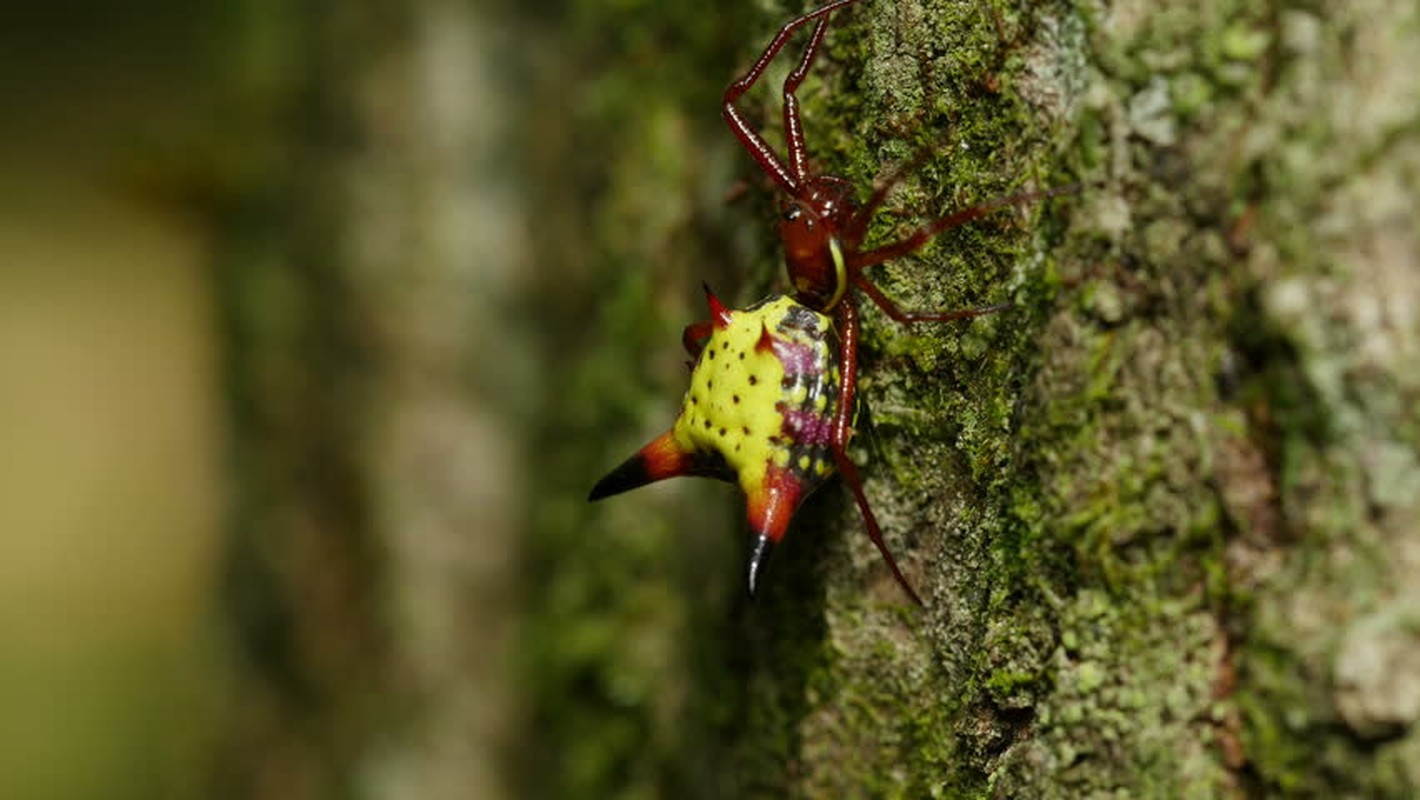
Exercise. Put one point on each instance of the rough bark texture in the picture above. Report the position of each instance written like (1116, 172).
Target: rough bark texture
(1163, 511)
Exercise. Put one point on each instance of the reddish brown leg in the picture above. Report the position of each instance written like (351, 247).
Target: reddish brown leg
(793, 126)
(759, 150)
(890, 308)
(857, 226)
(843, 430)
(914, 242)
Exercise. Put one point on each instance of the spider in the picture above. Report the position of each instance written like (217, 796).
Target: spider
(771, 402)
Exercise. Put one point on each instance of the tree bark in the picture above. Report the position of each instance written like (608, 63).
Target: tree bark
(1163, 511)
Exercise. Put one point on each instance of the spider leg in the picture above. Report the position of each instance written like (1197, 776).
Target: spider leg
(843, 430)
(759, 149)
(891, 309)
(924, 234)
(857, 226)
(793, 127)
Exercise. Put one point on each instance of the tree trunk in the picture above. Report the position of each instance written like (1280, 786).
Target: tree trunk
(1163, 511)
(376, 385)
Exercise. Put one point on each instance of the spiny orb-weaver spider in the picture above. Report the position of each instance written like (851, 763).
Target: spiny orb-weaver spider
(771, 398)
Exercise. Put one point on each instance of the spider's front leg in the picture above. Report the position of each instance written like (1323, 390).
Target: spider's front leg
(793, 125)
(788, 178)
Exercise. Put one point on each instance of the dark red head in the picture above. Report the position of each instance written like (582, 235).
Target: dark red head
(810, 225)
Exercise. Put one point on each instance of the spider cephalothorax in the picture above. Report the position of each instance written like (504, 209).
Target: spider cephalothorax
(772, 390)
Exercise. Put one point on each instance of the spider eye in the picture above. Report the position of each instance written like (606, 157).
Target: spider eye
(793, 212)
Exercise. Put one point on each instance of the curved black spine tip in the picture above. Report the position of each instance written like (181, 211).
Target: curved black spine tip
(629, 475)
(757, 559)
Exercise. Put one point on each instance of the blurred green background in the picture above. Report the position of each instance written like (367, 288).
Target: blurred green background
(107, 408)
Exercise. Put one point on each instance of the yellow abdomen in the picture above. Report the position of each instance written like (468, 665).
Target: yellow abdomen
(764, 393)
